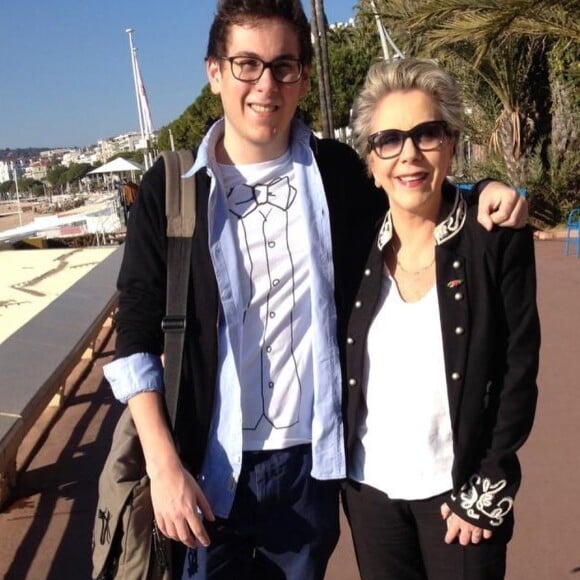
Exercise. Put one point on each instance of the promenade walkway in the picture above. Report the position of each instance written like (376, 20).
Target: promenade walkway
(45, 533)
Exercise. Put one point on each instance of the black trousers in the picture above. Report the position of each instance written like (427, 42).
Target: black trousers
(404, 540)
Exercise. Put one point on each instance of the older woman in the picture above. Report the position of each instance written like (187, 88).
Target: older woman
(442, 349)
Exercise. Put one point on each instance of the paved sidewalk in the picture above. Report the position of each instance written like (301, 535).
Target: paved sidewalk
(32, 279)
(45, 533)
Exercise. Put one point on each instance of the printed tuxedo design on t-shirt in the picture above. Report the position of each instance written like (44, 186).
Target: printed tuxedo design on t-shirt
(277, 310)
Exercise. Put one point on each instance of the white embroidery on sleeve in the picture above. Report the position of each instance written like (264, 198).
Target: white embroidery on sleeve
(478, 495)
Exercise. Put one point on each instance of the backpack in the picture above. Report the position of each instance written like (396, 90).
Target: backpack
(126, 542)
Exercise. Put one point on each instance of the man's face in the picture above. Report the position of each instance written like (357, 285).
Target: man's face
(257, 114)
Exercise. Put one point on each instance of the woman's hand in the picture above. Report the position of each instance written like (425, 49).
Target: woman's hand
(462, 530)
(179, 505)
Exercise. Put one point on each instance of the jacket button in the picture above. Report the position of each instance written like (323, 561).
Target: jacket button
(459, 330)
(457, 264)
(455, 376)
(458, 296)
(368, 272)
(352, 382)
(350, 340)
(358, 304)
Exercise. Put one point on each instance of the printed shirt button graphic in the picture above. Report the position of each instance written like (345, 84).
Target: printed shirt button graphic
(263, 213)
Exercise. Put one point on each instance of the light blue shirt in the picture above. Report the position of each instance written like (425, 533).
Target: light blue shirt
(142, 372)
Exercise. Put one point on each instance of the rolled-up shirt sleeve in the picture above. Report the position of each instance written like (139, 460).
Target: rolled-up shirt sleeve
(134, 374)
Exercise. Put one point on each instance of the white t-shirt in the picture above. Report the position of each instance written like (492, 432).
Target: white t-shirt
(405, 443)
(275, 362)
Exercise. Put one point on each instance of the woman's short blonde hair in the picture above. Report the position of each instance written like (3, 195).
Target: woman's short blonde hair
(405, 74)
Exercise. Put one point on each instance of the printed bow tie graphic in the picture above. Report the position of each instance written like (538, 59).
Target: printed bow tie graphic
(278, 193)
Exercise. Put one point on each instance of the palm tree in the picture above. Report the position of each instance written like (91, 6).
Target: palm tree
(321, 55)
(544, 37)
(526, 52)
(485, 23)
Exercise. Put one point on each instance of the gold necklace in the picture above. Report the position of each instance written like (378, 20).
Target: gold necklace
(414, 272)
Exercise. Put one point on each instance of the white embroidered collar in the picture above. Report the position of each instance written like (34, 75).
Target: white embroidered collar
(443, 232)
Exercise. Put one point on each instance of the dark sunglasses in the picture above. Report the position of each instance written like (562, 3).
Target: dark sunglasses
(425, 136)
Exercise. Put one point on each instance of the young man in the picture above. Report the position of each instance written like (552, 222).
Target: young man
(283, 226)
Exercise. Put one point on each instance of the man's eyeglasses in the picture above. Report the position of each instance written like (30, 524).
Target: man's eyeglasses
(426, 137)
(250, 69)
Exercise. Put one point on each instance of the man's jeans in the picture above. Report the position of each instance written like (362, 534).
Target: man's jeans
(283, 524)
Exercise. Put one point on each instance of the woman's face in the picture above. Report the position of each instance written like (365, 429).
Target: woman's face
(413, 178)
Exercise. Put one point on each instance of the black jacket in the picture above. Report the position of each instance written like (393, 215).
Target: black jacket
(486, 287)
(354, 206)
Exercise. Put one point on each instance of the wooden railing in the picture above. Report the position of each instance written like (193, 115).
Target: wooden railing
(37, 361)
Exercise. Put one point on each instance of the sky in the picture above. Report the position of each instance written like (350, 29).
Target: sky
(65, 66)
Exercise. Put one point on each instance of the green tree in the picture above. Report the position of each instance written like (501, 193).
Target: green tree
(59, 176)
(76, 171)
(7, 188)
(136, 156)
(55, 176)
(188, 130)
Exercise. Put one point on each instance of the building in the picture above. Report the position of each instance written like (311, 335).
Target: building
(37, 169)
(5, 173)
(123, 143)
(8, 168)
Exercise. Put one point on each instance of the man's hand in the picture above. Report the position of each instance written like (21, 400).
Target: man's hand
(179, 505)
(178, 502)
(501, 205)
(458, 528)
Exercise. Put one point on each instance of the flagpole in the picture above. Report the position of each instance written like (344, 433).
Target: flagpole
(130, 31)
(384, 36)
(144, 101)
(138, 88)
(145, 122)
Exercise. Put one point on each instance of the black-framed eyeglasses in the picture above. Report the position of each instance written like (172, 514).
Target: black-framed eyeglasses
(426, 136)
(249, 69)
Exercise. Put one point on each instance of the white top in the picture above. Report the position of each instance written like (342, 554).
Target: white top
(405, 445)
(275, 364)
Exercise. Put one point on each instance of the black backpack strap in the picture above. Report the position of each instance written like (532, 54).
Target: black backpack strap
(180, 211)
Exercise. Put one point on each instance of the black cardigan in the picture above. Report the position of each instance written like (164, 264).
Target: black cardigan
(486, 287)
(354, 206)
